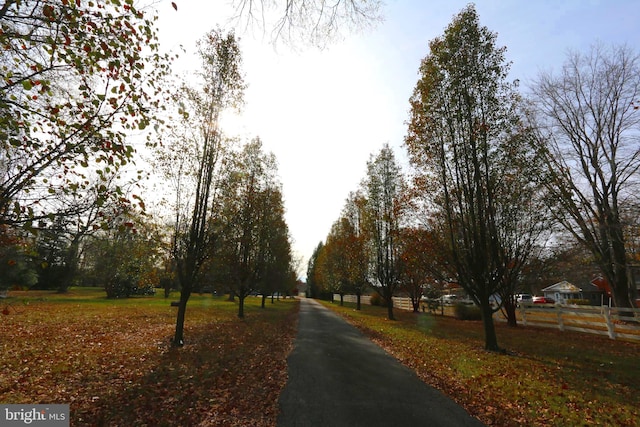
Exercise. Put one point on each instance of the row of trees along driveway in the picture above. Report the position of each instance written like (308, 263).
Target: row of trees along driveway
(83, 84)
(229, 213)
(497, 176)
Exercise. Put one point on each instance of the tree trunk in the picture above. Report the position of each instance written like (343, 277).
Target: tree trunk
(510, 310)
(389, 300)
(358, 306)
(70, 269)
(622, 294)
(241, 298)
(167, 288)
(616, 273)
(178, 339)
(341, 299)
(264, 300)
(415, 303)
(390, 315)
(490, 338)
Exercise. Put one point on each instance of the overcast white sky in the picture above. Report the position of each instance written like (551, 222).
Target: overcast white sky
(322, 113)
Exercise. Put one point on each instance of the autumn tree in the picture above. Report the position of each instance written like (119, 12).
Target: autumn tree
(279, 273)
(220, 87)
(58, 249)
(345, 257)
(78, 78)
(425, 268)
(327, 270)
(336, 267)
(16, 264)
(60, 240)
(356, 244)
(253, 251)
(417, 263)
(123, 258)
(324, 273)
(589, 122)
(382, 189)
(524, 224)
(466, 138)
(313, 288)
(341, 264)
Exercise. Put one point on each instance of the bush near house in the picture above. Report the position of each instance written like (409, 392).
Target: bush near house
(578, 302)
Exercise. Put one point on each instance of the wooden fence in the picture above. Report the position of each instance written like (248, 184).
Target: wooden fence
(610, 321)
(403, 303)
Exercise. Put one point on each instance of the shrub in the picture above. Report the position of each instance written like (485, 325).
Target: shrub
(143, 289)
(117, 287)
(128, 274)
(128, 283)
(377, 300)
(578, 302)
(466, 312)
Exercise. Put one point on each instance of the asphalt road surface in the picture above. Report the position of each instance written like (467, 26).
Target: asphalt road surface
(338, 377)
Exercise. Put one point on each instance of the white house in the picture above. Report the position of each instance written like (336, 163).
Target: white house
(563, 291)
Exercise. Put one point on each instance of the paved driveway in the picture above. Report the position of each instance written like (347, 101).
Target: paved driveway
(338, 377)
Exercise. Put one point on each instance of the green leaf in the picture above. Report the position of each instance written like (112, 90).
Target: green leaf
(26, 84)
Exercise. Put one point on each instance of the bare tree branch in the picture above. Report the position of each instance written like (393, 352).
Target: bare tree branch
(316, 22)
(591, 129)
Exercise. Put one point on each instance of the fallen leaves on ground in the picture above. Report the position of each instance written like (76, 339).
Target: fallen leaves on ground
(546, 378)
(111, 360)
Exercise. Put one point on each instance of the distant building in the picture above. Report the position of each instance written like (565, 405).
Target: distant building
(634, 284)
(300, 289)
(564, 291)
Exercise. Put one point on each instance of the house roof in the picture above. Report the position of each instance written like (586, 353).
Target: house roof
(564, 287)
(602, 283)
(591, 287)
(569, 288)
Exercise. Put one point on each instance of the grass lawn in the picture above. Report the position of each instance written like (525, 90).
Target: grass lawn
(547, 378)
(111, 359)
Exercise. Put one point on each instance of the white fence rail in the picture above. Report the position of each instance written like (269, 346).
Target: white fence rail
(364, 299)
(403, 303)
(613, 322)
(610, 321)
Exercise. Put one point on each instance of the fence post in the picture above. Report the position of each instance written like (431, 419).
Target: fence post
(560, 321)
(610, 327)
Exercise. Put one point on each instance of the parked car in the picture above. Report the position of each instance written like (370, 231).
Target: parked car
(543, 300)
(524, 299)
(449, 299)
